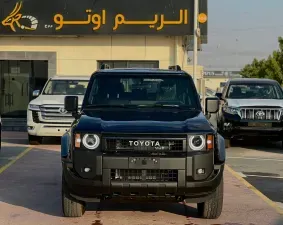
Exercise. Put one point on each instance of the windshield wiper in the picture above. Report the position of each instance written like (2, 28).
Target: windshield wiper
(110, 106)
(172, 106)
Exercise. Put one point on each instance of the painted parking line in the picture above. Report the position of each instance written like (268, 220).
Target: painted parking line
(273, 177)
(257, 159)
(280, 204)
(5, 167)
(255, 175)
(241, 174)
(255, 190)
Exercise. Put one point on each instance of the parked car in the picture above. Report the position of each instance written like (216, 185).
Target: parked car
(141, 134)
(251, 107)
(46, 116)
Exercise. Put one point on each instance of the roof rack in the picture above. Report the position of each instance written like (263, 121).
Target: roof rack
(175, 67)
(104, 66)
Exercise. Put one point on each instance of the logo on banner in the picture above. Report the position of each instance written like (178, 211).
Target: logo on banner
(15, 18)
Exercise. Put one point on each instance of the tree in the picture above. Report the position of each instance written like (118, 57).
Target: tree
(271, 68)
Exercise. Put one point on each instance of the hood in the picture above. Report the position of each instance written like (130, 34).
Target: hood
(143, 121)
(52, 100)
(255, 102)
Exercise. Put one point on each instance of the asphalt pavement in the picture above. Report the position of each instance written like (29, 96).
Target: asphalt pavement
(30, 182)
(261, 165)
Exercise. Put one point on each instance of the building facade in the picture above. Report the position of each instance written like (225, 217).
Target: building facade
(215, 79)
(26, 62)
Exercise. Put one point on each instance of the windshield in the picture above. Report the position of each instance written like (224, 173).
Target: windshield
(143, 91)
(254, 91)
(65, 87)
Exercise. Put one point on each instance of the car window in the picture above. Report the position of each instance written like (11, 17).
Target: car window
(147, 90)
(65, 87)
(254, 91)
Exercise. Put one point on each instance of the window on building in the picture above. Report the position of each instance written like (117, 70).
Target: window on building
(129, 64)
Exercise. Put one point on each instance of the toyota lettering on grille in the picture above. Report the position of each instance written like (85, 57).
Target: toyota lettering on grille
(144, 143)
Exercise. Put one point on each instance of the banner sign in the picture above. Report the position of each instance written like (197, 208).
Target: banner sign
(221, 73)
(100, 17)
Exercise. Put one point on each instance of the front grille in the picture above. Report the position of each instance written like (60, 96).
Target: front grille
(53, 113)
(142, 144)
(261, 114)
(137, 175)
(35, 117)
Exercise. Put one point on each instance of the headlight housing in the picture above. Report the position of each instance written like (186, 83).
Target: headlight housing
(201, 142)
(231, 110)
(89, 141)
(33, 107)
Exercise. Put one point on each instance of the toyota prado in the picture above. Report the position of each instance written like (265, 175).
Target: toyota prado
(251, 108)
(141, 134)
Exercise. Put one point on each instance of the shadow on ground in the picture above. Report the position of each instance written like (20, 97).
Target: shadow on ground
(259, 145)
(24, 141)
(34, 182)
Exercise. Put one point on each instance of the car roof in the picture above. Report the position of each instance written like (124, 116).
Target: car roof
(140, 71)
(62, 77)
(252, 80)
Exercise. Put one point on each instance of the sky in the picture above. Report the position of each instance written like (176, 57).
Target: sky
(239, 31)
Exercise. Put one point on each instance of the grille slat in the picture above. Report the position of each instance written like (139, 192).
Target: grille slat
(142, 145)
(52, 113)
(137, 175)
(274, 114)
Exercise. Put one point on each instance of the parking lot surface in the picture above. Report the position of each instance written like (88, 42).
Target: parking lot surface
(261, 166)
(30, 184)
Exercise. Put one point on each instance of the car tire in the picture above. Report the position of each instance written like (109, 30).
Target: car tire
(212, 208)
(35, 140)
(70, 206)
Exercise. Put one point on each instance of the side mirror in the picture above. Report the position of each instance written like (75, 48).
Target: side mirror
(71, 104)
(35, 93)
(211, 105)
(218, 95)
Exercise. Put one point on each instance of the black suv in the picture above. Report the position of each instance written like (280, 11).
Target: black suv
(251, 108)
(141, 134)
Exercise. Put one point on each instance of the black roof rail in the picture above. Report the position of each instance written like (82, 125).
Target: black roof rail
(104, 66)
(176, 67)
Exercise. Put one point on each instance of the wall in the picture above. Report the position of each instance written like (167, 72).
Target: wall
(214, 83)
(85, 51)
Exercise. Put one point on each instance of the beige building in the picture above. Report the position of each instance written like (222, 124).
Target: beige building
(214, 82)
(214, 79)
(27, 62)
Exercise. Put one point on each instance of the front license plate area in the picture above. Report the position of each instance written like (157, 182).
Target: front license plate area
(256, 124)
(144, 163)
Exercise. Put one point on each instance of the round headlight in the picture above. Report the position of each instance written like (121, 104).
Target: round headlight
(91, 141)
(197, 142)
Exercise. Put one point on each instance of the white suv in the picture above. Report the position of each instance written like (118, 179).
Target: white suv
(46, 115)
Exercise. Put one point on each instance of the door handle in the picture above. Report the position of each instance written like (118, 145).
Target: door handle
(6, 99)
(12, 99)
(9, 99)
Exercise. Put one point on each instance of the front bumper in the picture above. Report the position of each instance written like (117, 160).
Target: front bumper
(235, 127)
(45, 129)
(100, 182)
